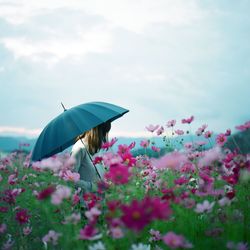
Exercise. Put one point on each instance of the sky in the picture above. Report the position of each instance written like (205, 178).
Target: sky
(161, 59)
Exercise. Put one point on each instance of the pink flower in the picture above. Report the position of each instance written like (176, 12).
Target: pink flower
(174, 241)
(243, 127)
(89, 232)
(171, 123)
(3, 228)
(62, 192)
(118, 174)
(116, 233)
(179, 132)
(188, 120)
(27, 230)
(110, 158)
(72, 219)
(208, 134)
(210, 156)
(128, 159)
(204, 207)
(160, 131)
(155, 235)
(52, 237)
(221, 139)
(156, 149)
(151, 128)
(144, 143)
(22, 216)
(172, 160)
(70, 176)
(12, 179)
(93, 214)
(180, 181)
(108, 145)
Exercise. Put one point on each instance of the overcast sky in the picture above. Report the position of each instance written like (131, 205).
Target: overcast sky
(161, 59)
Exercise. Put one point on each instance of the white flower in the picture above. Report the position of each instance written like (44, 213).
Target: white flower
(97, 246)
(140, 246)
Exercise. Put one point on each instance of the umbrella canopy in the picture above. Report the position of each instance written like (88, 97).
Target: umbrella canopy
(62, 131)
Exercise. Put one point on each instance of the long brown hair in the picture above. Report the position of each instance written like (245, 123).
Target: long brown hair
(96, 136)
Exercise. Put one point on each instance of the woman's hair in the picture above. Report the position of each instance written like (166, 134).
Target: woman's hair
(96, 136)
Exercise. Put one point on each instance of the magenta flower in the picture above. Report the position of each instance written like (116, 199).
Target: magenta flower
(134, 216)
(188, 120)
(221, 139)
(108, 145)
(22, 216)
(118, 174)
(89, 232)
(228, 132)
(128, 159)
(46, 193)
(171, 123)
(151, 128)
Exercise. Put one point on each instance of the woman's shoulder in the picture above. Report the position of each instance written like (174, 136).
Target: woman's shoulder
(78, 147)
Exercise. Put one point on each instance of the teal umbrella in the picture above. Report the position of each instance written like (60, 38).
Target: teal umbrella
(62, 131)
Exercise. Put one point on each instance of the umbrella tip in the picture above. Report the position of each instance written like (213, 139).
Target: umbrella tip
(64, 109)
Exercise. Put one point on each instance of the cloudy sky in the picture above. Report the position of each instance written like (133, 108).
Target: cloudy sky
(161, 59)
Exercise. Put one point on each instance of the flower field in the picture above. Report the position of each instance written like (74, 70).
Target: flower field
(196, 197)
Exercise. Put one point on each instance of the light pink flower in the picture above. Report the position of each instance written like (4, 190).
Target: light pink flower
(92, 214)
(204, 207)
(3, 228)
(160, 131)
(71, 176)
(179, 132)
(116, 233)
(151, 128)
(208, 134)
(156, 149)
(174, 241)
(172, 160)
(210, 156)
(144, 143)
(52, 237)
(155, 235)
(171, 123)
(72, 219)
(62, 192)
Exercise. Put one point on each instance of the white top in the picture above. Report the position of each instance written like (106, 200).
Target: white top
(85, 167)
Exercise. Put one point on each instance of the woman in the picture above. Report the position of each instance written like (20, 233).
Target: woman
(88, 144)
